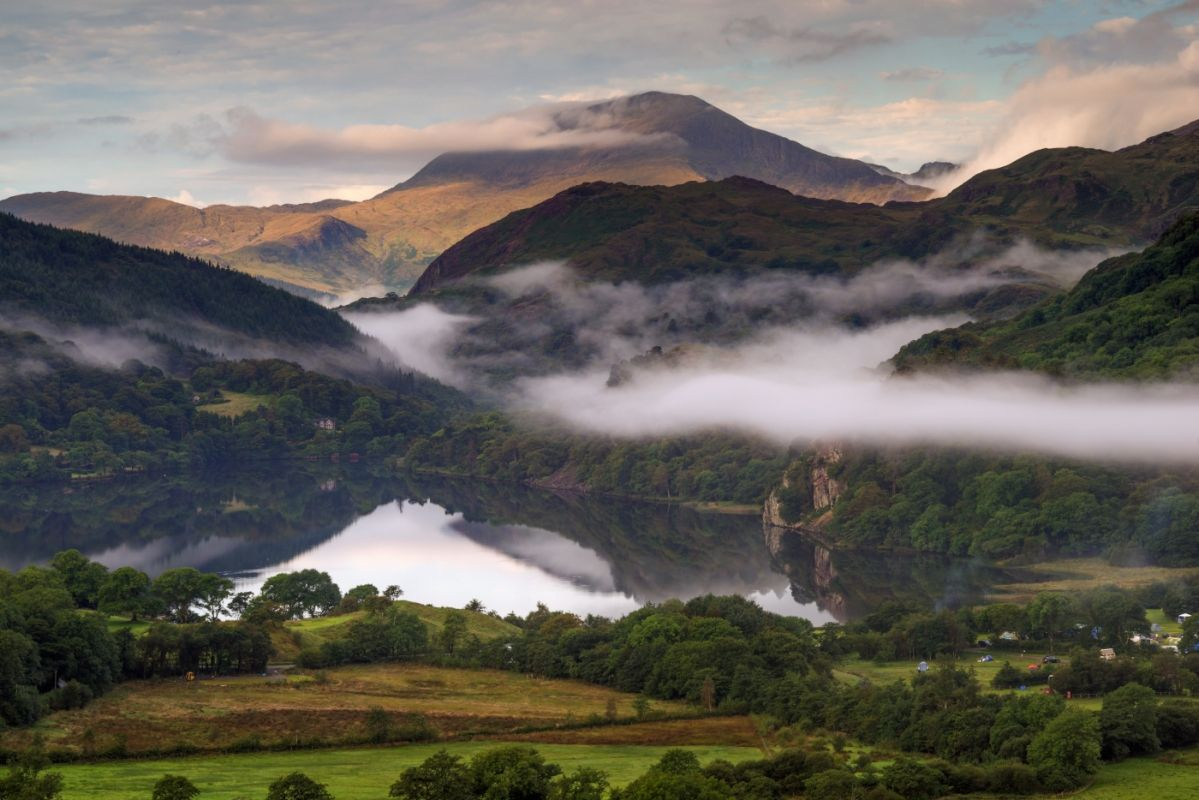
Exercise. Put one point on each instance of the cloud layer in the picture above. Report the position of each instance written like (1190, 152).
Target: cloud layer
(819, 384)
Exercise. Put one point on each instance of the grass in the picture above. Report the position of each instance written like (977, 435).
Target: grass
(355, 774)
(1146, 779)
(236, 403)
(1080, 574)
(1169, 624)
(118, 624)
(213, 714)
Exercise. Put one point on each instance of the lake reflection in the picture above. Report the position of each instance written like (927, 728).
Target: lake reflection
(444, 542)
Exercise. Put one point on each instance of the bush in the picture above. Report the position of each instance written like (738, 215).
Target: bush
(1178, 725)
(913, 779)
(73, 695)
(1011, 777)
(1067, 751)
(832, 784)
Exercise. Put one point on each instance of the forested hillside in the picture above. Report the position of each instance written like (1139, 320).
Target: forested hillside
(100, 372)
(65, 277)
(1135, 317)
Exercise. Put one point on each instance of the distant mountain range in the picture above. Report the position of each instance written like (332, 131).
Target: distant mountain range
(336, 246)
(1063, 198)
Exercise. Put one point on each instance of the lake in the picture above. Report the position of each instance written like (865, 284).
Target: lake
(448, 541)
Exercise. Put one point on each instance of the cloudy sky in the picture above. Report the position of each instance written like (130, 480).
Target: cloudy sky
(267, 101)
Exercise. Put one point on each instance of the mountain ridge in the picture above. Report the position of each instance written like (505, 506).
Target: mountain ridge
(1058, 198)
(671, 139)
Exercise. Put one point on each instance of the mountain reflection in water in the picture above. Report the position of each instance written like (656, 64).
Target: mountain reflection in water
(445, 542)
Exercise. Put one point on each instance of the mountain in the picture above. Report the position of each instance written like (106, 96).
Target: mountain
(1132, 317)
(70, 279)
(657, 233)
(334, 246)
(1061, 198)
(928, 171)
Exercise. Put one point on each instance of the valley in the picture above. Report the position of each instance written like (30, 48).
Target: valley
(599, 402)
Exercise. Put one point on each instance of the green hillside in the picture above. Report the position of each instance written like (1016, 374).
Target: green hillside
(1132, 317)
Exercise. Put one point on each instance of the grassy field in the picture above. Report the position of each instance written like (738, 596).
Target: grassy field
(331, 706)
(1146, 779)
(237, 403)
(1078, 574)
(1169, 624)
(853, 669)
(356, 774)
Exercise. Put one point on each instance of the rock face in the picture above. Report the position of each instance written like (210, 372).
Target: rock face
(825, 491)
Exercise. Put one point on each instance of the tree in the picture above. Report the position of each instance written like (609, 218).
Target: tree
(13, 439)
(512, 773)
(913, 780)
(1128, 722)
(441, 776)
(1067, 751)
(240, 602)
(707, 693)
(641, 706)
(126, 591)
(174, 787)
(82, 576)
(657, 785)
(677, 762)
(179, 589)
(393, 592)
(452, 631)
(26, 780)
(214, 590)
(297, 786)
(1049, 612)
(831, 784)
(584, 783)
(476, 606)
(307, 592)
(355, 598)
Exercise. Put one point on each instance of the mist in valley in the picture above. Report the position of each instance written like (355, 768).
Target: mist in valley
(785, 357)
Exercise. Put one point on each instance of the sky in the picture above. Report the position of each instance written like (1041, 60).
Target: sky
(268, 101)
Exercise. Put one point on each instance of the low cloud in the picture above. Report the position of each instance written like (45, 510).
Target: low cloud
(801, 45)
(818, 384)
(109, 119)
(547, 318)
(419, 338)
(92, 345)
(1107, 107)
(249, 137)
(913, 75)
